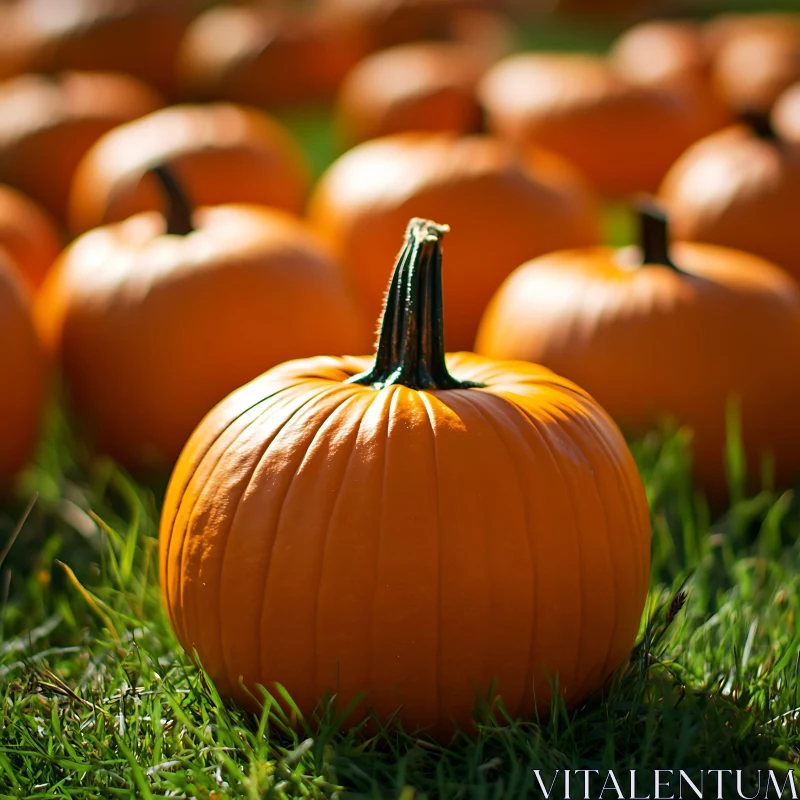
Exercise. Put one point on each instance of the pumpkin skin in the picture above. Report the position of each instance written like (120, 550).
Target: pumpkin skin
(151, 329)
(409, 541)
(649, 340)
(361, 206)
(621, 136)
(48, 123)
(222, 153)
(786, 114)
(267, 57)
(135, 37)
(28, 235)
(754, 68)
(425, 86)
(23, 367)
(739, 188)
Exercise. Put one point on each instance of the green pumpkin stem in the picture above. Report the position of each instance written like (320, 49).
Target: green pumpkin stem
(178, 208)
(410, 349)
(654, 236)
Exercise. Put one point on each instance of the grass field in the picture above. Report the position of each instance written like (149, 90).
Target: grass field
(99, 701)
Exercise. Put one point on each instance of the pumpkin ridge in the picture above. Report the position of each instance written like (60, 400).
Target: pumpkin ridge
(508, 409)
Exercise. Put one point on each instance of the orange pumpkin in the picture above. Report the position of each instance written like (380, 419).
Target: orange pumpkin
(722, 29)
(623, 137)
(267, 57)
(28, 235)
(361, 205)
(665, 331)
(136, 37)
(426, 86)
(739, 188)
(752, 69)
(408, 527)
(786, 114)
(221, 153)
(18, 43)
(48, 124)
(154, 321)
(22, 365)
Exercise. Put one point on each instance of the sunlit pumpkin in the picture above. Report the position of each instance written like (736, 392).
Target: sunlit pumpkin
(28, 235)
(425, 86)
(137, 37)
(739, 188)
(752, 69)
(18, 42)
(48, 123)
(155, 319)
(22, 366)
(363, 202)
(622, 136)
(722, 29)
(785, 117)
(267, 57)
(665, 331)
(408, 526)
(221, 153)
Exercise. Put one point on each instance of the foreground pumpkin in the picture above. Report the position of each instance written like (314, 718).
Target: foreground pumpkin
(155, 320)
(785, 115)
(362, 203)
(665, 331)
(28, 235)
(739, 188)
(48, 123)
(22, 365)
(409, 526)
(222, 153)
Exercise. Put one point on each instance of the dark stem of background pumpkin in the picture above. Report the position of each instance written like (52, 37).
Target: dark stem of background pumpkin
(178, 208)
(760, 123)
(654, 236)
(411, 342)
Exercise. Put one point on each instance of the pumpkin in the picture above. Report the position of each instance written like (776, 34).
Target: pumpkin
(739, 188)
(411, 527)
(267, 57)
(754, 68)
(623, 137)
(22, 365)
(362, 203)
(665, 331)
(155, 319)
(18, 43)
(222, 153)
(136, 37)
(785, 116)
(28, 235)
(48, 123)
(426, 86)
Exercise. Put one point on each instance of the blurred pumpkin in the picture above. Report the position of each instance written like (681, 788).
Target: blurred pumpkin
(28, 235)
(739, 188)
(785, 118)
(47, 125)
(18, 43)
(752, 69)
(221, 153)
(623, 137)
(662, 330)
(722, 29)
(409, 527)
(385, 23)
(154, 319)
(267, 57)
(362, 203)
(426, 86)
(136, 37)
(23, 367)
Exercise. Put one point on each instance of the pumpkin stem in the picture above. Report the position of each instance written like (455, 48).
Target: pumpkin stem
(760, 123)
(410, 349)
(654, 235)
(177, 206)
